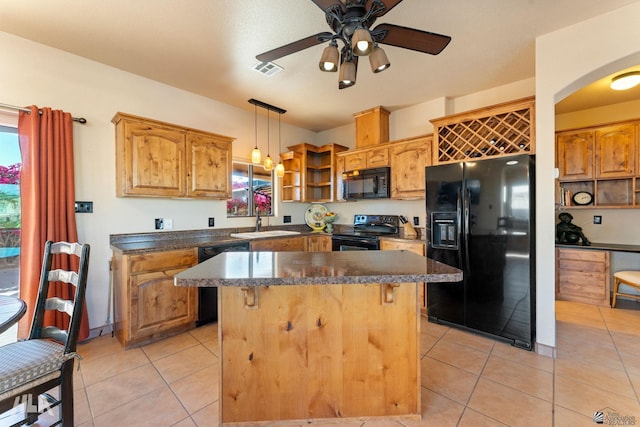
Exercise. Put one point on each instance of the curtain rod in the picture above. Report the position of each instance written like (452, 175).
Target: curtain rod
(26, 110)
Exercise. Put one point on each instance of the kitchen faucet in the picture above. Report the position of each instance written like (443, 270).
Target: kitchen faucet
(258, 220)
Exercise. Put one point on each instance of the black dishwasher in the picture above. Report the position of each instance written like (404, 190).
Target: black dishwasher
(208, 296)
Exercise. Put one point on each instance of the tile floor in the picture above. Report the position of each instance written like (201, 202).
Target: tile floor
(467, 380)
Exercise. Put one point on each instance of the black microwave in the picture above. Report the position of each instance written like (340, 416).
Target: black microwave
(366, 184)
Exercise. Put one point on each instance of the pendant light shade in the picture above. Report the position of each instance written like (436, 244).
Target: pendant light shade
(625, 81)
(268, 163)
(348, 73)
(280, 166)
(378, 60)
(361, 42)
(330, 57)
(256, 156)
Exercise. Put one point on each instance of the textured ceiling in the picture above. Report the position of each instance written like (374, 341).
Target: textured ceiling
(208, 47)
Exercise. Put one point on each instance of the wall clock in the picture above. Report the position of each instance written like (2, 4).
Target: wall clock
(582, 198)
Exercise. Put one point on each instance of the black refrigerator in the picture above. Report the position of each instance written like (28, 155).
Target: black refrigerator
(480, 219)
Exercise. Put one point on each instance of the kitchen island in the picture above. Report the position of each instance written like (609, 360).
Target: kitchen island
(318, 336)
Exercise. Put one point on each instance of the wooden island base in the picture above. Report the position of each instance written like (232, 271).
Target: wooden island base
(319, 352)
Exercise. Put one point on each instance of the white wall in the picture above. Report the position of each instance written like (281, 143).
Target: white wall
(565, 61)
(32, 73)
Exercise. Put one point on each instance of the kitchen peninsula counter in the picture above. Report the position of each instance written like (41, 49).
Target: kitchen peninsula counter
(318, 336)
(316, 268)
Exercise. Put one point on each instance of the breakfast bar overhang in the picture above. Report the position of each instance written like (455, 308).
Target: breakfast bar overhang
(318, 335)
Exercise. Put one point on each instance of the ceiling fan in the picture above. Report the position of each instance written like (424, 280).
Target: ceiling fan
(351, 22)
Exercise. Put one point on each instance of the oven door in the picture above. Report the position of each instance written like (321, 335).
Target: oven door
(353, 243)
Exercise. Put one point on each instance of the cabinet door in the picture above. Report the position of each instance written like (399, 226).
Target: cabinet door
(319, 243)
(615, 151)
(150, 160)
(355, 161)
(378, 157)
(408, 161)
(583, 275)
(159, 307)
(280, 245)
(209, 160)
(575, 155)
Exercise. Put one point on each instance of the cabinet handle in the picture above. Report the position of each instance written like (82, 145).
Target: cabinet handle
(250, 297)
(387, 292)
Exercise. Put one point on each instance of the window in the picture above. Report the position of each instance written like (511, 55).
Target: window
(249, 180)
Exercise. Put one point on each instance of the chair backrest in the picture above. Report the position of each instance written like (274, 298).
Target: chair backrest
(76, 254)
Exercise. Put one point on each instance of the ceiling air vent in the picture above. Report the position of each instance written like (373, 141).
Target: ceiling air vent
(267, 68)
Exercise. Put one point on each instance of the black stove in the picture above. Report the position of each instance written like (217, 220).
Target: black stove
(365, 232)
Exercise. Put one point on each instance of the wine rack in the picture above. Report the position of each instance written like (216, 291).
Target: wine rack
(500, 130)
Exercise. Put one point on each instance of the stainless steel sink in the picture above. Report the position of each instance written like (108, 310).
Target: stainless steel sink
(259, 234)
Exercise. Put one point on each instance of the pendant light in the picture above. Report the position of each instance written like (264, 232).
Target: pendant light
(280, 166)
(256, 156)
(268, 163)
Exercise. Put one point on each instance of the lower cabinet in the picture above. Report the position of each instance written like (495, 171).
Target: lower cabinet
(148, 307)
(583, 275)
(417, 247)
(319, 243)
(281, 244)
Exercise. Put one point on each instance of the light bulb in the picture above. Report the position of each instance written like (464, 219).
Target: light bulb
(268, 163)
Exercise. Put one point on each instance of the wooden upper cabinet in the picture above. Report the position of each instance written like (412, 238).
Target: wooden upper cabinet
(151, 161)
(355, 161)
(615, 151)
(408, 160)
(575, 155)
(157, 159)
(372, 127)
(209, 159)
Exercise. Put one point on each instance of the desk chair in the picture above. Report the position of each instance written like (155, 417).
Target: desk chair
(630, 278)
(45, 360)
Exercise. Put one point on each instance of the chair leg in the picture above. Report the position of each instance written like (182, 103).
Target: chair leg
(616, 285)
(66, 395)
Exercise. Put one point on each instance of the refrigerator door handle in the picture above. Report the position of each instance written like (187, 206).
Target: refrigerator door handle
(466, 227)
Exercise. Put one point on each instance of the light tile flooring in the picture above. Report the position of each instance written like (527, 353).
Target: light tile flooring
(467, 380)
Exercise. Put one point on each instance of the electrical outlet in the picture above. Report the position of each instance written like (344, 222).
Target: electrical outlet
(84, 207)
(159, 224)
(286, 219)
(212, 222)
(168, 224)
(597, 219)
(416, 220)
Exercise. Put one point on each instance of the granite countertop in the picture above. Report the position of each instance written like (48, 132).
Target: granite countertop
(603, 247)
(315, 268)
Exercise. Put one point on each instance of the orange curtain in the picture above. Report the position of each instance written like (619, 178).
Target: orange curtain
(47, 195)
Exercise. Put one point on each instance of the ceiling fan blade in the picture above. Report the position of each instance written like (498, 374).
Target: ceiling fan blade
(389, 4)
(294, 47)
(326, 4)
(410, 38)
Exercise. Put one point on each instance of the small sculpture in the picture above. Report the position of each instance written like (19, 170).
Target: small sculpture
(569, 233)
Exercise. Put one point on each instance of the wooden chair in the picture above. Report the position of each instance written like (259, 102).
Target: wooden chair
(30, 368)
(630, 278)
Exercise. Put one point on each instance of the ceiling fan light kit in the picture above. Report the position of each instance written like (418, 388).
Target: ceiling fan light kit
(361, 42)
(351, 22)
(348, 74)
(330, 58)
(378, 60)
(625, 81)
